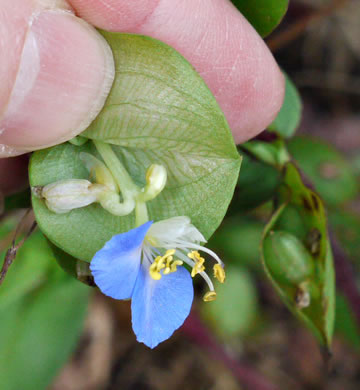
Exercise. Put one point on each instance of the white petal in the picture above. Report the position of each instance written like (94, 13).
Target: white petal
(175, 229)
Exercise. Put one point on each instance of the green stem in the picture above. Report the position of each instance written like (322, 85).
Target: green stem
(141, 213)
(127, 187)
(78, 140)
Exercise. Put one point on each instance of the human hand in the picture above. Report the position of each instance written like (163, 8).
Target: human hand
(56, 70)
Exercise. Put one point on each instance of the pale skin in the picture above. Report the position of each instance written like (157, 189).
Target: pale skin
(56, 70)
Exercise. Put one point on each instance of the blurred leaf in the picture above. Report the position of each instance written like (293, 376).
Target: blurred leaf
(235, 308)
(29, 269)
(346, 226)
(264, 15)
(292, 221)
(18, 201)
(327, 169)
(289, 116)
(256, 185)
(158, 111)
(238, 241)
(273, 153)
(78, 269)
(355, 164)
(42, 312)
(347, 20)
(318, 315)
(345, 322)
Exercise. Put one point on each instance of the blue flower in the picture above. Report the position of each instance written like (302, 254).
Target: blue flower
(146, 265)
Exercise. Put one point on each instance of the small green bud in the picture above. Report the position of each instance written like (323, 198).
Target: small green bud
(287, 258)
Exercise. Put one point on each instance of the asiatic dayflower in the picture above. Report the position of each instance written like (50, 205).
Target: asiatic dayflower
(146, 265)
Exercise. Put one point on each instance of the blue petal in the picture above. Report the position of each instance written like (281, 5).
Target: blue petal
(115, 267)
(159, 307)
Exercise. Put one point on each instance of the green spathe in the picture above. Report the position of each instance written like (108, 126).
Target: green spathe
(159, 111)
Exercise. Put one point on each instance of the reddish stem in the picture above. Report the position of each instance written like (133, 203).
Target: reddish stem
(197, 331)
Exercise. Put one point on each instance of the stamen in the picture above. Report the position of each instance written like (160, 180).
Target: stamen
(219, 273)
(192, 264)
(209, 296)
(191, 245)
(154, 273)
(174, 265)
(159, 264)
(199, 263)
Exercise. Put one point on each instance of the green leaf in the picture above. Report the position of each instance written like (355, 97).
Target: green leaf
(159, 111)
(288, 118)
(355, 164)
(345, 322)
(319, 314)
(346, 226)
(327, 169)
(25, 273)
(272, 153)
(264, 15)
(42, 311)
(256, 185)
(18, 200)
(237, 241)
(76, 268)
(236, 306)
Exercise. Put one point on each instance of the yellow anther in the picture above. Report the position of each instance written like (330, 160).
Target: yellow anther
(199, 263)
(175, 264)
(169, 252)
(159, 261)
(154, 273)
(209, 296)
(219, 273)
(194, 255)
(166, 262)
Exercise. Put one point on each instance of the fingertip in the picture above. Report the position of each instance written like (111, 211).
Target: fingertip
(258, 98)
(65, 73)
(115, 15)
(217, 40)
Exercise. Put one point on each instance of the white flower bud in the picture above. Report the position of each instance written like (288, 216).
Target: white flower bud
(156, 177)
(65, 195)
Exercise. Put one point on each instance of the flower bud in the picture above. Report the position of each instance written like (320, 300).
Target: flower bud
(65, 195)
(287, 258)
(156, 177)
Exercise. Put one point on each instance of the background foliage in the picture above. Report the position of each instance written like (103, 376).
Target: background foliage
(301, 176)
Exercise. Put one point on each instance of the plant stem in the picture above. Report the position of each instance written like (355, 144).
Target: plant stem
(127, 187)
(141, 213)
(23, 227)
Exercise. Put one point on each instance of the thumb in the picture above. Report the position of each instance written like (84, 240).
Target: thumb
(56, 71)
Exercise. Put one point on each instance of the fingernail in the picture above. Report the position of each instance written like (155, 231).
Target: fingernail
(65, 74)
